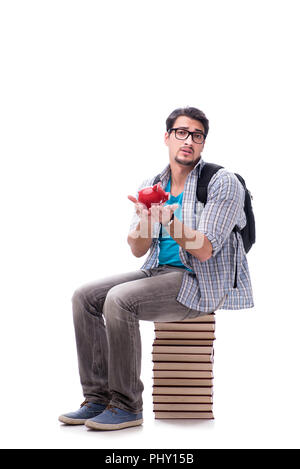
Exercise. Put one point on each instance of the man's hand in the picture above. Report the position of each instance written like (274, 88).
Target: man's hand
(144, 215)
(162, 213)
(156, 213)
(191, 240)
(141, 209)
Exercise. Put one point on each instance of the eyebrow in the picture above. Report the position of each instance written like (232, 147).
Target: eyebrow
(182, 127)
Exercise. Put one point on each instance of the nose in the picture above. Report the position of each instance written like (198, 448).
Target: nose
(189, 140)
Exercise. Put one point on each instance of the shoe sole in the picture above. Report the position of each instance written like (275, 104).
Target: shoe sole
(114, 426)
(70, 421)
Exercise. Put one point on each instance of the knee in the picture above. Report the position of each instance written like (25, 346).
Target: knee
(77, 304)
(77, 297)
(116, 304)
(82, 304)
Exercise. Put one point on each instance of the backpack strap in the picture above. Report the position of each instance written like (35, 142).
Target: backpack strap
(207, 172)
(156, 180)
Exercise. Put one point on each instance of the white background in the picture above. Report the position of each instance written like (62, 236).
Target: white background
(86, 87)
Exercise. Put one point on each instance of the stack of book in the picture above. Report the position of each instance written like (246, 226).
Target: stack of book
(183, 368)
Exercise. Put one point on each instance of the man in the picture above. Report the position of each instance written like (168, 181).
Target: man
(195, 265)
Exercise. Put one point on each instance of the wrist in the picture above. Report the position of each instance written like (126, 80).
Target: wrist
(171, 220)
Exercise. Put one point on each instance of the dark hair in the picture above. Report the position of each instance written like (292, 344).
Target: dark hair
(191, 112)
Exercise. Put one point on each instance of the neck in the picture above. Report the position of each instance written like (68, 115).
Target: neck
(179, 174)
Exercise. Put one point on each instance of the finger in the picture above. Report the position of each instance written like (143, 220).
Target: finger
(154, 211)
(138, 205)
(133, 199)
(142, 206)
(168, 208)
(142, 209)
(166, 214)
(139, 209)
(173, 207)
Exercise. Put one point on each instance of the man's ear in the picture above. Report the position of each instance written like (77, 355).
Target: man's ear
(166, 138)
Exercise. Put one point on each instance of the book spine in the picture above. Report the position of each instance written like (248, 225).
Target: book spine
(169, 341)
(183, 407)
(158, 398)
(184, 415)
(183, 391)
(184, 335)
(156, 357)
(182, 366)
(182, 374)
(182, 382)
(184, 349)
(203, 327)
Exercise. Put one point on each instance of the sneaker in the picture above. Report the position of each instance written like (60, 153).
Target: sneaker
(87, 410)
(114, 419)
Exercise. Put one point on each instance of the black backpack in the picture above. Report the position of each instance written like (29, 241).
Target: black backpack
(248, 232)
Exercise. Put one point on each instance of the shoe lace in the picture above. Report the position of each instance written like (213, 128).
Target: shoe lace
(85, 403)
(111, 408)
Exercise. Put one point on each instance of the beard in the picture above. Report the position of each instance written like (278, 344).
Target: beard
(186, 162)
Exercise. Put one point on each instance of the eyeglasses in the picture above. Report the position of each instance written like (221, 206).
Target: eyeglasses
(183, 134)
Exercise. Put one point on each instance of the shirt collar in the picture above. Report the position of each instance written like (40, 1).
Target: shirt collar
(166, 172)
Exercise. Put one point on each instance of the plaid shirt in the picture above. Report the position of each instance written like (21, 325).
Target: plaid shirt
(211, 284)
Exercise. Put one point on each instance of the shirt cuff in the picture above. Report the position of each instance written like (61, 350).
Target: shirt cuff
(214, 242)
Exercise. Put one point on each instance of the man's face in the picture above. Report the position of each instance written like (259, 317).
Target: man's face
(185, 152)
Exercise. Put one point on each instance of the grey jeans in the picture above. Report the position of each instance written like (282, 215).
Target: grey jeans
(106, 317)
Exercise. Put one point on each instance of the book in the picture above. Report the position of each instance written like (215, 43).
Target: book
(183, 341)
(177, 357)
(182, 382)
(182, 374)
(186, 349)
(184, 335)
(173, 326)
(184, 415)
(182, 366)
(180, 399)
(183, 391)
(182, 407)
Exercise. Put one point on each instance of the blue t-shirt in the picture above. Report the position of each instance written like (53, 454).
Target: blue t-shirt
(169, 249)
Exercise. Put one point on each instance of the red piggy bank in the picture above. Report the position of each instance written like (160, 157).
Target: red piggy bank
(153, 195)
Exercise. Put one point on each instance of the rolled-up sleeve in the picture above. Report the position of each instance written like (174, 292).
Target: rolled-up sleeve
(225, 202)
